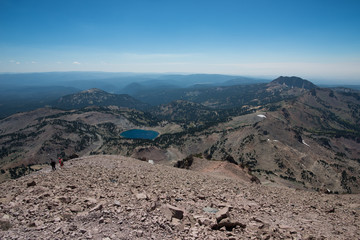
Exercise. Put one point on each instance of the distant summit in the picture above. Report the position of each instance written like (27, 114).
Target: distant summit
(294, 82)
(98, 97)
(94, 91)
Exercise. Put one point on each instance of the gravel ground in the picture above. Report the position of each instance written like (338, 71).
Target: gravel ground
(114, 197)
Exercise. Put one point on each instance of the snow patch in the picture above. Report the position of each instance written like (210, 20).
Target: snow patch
(305, 143)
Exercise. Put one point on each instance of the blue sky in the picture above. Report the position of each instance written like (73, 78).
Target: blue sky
(317, 39)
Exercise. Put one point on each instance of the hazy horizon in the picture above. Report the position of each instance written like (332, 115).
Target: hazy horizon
(315, 40)
(147, 75)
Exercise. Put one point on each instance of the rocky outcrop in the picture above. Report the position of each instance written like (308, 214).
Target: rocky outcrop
(113, 197)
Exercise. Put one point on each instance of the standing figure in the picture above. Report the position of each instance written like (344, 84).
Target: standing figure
(61, 162)
(53, 164)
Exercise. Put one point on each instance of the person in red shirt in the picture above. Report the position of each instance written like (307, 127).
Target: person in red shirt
(61, 162)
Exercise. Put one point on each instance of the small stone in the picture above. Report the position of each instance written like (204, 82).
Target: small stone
(141, 196)
(97, 207)
(204, 221)
(210, 210)
(175, 221)
(65, 199)
(38, 223)
(201, 197)
(83, 214)
(75, 208)
(117, 203)
(72, 228)
(32, 224)
(152, 207)
(31, 184)
(139, 233)
(90, 201)
(331, 210)
(288, 228)
(5, 225)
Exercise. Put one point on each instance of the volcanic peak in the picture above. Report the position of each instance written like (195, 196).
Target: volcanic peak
(294, 82)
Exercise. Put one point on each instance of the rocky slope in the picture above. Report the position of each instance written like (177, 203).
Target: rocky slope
(113, 197)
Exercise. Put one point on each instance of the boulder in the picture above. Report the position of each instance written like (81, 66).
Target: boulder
(223, 213)
(172, 212)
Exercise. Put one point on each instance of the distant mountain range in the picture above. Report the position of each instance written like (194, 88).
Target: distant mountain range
(227, 96)
(112, 82)
(28, 91)
(215, 97)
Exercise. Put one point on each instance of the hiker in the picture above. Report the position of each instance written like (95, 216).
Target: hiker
(61, 162)
(53, 164)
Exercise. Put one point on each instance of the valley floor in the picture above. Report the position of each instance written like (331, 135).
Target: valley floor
(114, 197)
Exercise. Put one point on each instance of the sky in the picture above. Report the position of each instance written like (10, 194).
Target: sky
(314, 39)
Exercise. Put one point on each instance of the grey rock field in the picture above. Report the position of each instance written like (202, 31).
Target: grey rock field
(114, 197)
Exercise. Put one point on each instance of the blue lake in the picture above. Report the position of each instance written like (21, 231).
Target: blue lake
(139, 134)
